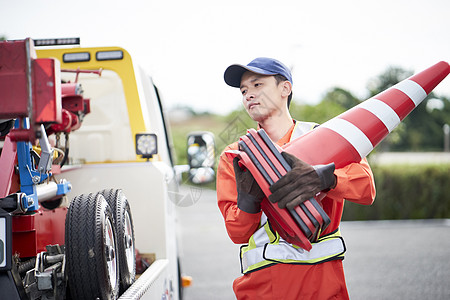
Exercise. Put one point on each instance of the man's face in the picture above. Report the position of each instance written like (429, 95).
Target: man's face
(261, 95)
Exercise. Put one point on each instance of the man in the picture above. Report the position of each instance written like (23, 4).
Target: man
(266, 87)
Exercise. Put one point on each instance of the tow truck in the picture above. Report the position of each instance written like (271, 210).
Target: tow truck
(88, 186)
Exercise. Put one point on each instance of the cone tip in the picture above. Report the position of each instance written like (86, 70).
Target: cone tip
(445, 63)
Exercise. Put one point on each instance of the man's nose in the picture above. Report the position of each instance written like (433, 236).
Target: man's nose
(249, 96)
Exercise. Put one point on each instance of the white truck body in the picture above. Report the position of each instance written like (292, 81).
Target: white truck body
(123, 102)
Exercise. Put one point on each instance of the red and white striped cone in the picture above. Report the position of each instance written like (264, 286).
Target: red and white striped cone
(352, 135)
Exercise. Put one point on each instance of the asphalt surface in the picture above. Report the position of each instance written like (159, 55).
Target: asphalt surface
(384, 260)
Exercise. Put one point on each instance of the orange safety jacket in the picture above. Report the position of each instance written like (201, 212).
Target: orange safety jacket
(354, 183)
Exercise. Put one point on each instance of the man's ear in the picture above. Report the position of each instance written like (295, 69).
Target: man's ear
(286, 88)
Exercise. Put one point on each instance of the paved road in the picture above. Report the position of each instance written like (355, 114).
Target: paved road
(384, 260)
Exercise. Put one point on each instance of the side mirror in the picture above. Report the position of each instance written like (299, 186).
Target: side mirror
(201, 156)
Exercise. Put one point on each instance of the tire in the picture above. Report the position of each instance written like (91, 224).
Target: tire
(125, 236)
(92, 267)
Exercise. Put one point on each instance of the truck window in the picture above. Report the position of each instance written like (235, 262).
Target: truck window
(105, 135)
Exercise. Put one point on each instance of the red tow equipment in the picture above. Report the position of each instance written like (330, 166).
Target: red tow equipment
(31, 89)
(342, 140)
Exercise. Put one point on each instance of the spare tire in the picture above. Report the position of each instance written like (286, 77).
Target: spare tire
(92, 266)
(125, 236)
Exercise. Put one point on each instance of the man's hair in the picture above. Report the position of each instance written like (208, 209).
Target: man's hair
(280, 78)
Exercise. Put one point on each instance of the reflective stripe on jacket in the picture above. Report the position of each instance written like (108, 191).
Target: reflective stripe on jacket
(266, 247)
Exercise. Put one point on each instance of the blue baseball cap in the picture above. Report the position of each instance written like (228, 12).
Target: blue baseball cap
(260, 65)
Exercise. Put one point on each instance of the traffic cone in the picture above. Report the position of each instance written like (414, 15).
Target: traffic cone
(352, 135)
(342, 140)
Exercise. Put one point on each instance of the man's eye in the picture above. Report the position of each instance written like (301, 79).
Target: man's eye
(244, 92)
(257, 84)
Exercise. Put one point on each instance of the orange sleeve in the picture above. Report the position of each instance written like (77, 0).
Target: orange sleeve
(239, 224)
(355, 183)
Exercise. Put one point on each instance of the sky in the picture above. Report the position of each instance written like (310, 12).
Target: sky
(187, 45)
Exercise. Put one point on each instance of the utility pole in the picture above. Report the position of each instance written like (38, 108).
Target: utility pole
(446, 129)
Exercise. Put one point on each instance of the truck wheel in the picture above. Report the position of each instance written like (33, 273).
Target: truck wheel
(92, 267)
(125, 236)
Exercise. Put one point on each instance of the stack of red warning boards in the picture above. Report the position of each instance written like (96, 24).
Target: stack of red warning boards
(299, 226)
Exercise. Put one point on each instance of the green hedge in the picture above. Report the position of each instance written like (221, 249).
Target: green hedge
(406, 192)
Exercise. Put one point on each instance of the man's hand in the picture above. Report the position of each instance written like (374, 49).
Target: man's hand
(302, 182)
(250, 194)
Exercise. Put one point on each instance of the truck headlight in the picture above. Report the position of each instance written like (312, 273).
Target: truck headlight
(146, 144)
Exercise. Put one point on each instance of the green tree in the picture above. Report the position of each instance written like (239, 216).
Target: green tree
(388, 78)
(335, 102)
(342, 97)
(319, 113)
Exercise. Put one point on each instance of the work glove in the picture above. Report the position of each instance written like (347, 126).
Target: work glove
(301, 183)
(250, 194)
